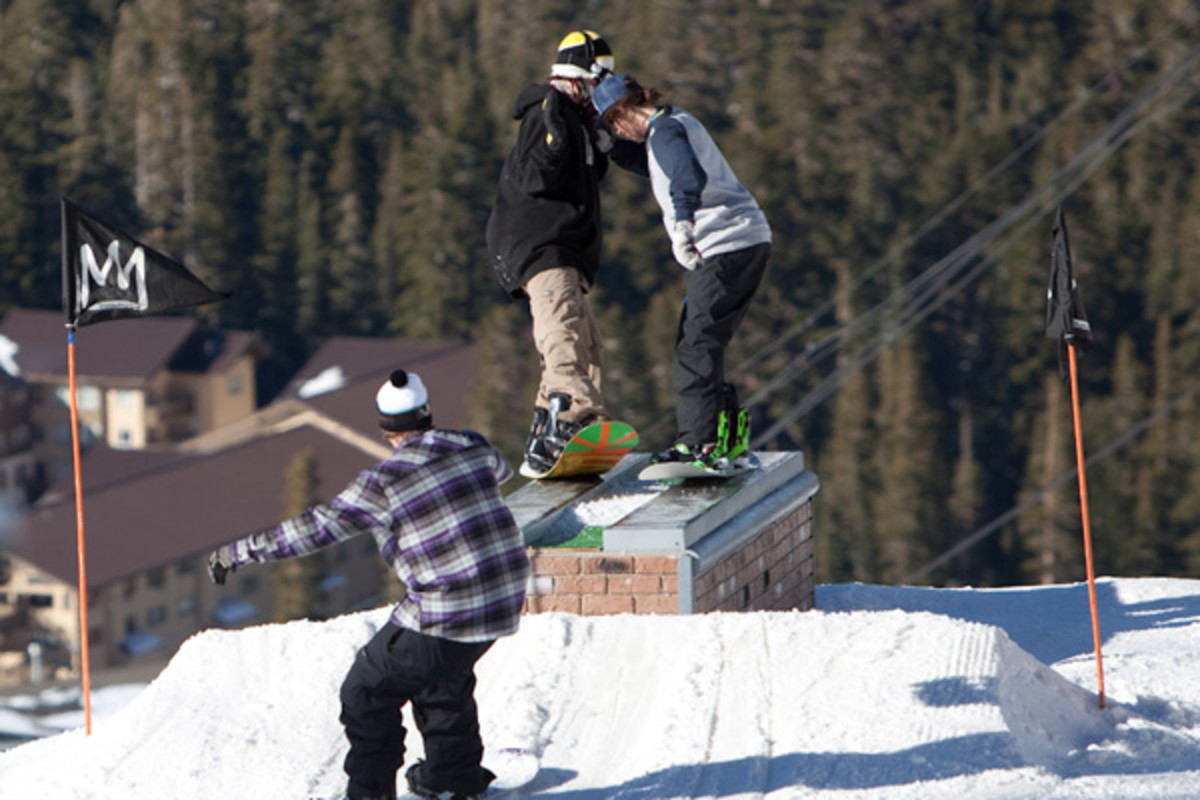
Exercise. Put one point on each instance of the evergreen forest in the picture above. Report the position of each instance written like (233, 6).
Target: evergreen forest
(334, 163)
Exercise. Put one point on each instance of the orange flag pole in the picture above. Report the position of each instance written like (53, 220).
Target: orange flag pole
(1083, 509)
(83, 596)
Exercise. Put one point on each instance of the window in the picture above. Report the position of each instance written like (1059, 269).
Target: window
(125, 398)
(235, 384)
(87, 397)
(39, 600)
(185, 606)
(21, 437)
(156, 578)
(156, 616)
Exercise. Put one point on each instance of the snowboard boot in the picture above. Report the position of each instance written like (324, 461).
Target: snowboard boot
(471, 787)
(733, 426)
(549, 434)
(559, 432)
(703, 456)
(536, 455)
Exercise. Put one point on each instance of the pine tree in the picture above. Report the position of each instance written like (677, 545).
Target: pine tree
(311, 278)
(296, 581)
(1120, 547)
(850, 549)
(966, 498)
(44, 87)
(906, 456)
(1049, 532)
(502, 400)
(847, 549)
(1157, 481)
(353, 303)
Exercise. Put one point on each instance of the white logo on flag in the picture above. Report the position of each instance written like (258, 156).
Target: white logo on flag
(135, 267)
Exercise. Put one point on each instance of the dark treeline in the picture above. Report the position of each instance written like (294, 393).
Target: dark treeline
(333, 163)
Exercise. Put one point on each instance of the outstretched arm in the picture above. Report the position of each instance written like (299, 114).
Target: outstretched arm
(359, 508)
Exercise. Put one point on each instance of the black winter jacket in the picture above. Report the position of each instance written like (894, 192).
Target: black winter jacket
(547, 209)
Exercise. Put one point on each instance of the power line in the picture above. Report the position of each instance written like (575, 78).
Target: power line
(1054, 485)
(928, 287)
(1185, 16)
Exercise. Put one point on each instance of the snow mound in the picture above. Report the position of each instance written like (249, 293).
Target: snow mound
(774, 706)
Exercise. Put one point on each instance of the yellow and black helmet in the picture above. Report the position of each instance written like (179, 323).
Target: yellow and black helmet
(583, 54)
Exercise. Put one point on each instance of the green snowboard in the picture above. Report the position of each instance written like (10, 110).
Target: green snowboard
(595, 449)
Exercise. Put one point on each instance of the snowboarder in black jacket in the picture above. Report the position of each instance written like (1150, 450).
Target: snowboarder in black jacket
(544, 237)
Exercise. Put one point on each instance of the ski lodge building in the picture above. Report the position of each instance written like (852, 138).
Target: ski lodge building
(155, 508)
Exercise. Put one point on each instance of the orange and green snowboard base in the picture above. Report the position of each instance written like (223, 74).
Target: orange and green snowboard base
(595, 449)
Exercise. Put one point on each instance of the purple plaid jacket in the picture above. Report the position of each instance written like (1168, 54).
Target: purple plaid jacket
(439, 520)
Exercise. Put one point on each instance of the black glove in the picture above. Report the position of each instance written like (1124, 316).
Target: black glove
(220, 564)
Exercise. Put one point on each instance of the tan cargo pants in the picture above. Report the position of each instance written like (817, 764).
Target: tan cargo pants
(567, 340)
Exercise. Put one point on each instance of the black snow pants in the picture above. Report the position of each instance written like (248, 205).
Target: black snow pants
(719, 291)
(438, 677)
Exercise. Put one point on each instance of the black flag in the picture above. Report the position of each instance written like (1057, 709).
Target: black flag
(1066, 319)
(108, 275)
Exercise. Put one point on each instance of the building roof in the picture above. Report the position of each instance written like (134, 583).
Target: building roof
(342, 377)
(145, 509)
(148, 508)
(119, 349)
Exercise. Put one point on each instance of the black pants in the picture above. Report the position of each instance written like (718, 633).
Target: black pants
(438, 677)
(718, 293)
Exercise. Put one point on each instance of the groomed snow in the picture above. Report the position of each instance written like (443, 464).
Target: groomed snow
(882, 693)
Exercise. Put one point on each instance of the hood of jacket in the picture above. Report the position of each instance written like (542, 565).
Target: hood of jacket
(529, 97)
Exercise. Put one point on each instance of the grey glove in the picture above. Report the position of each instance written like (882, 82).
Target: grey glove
(683, 244)
(603, 141)
(220, 564)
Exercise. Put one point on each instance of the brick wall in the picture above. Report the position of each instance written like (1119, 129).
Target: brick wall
(592, 582)
(772, 570)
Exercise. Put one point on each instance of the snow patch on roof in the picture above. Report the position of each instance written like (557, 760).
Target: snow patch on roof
(328, 380)
(8, 356)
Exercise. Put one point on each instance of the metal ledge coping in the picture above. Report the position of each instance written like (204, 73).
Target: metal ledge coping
(657, 516)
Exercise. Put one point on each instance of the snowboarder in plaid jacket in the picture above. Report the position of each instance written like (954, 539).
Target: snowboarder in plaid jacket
(435, 511)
